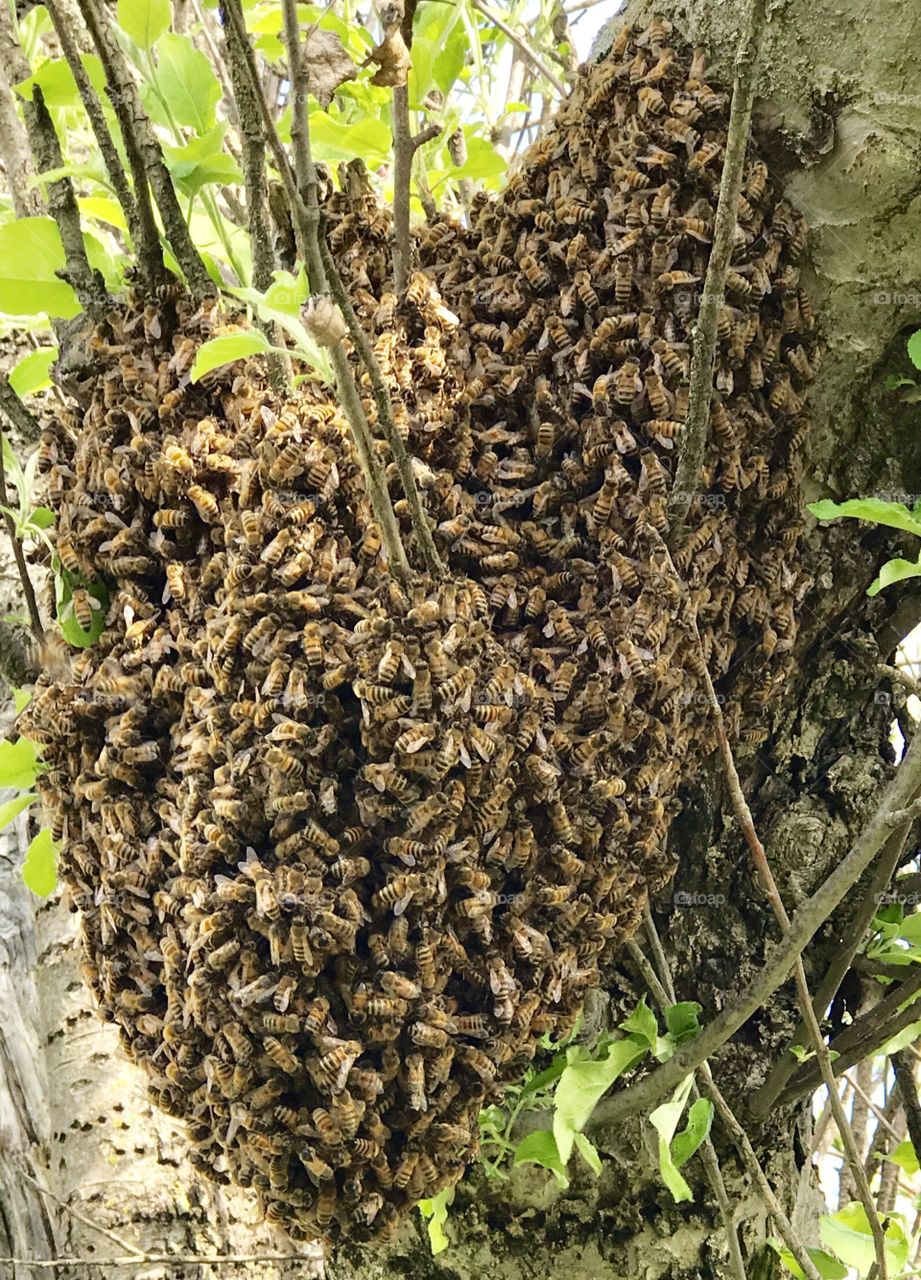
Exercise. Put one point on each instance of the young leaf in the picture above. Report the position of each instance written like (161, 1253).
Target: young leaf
(187, 82)
(14, 807)
(540, 1148)
(39, 869)
(904, 1156)
(642, 1022)
(894, 571)
(827, 1266)
(21, 699)
(847, 1234)
(589, 1154)
(895, 515)
(583, 1082)
(435, 1213)
(144, 21)
(227, 348)
(665, 1121)
(31, 253)
(697, 1129)
(19, 764)
(914, 349)
(31, 373)
(683, 1020)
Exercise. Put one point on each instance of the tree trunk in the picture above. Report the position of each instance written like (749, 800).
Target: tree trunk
(73, 1115)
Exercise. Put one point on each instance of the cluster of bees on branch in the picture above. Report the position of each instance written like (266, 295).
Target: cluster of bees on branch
(346, 849)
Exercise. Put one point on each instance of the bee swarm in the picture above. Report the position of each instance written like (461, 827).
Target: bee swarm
(346, 851)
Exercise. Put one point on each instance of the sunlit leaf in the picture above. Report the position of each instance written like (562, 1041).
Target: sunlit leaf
(30, 253)
(144, 21)
(103, 209)
(827, 1266)
(847, 1234)
(665, 1121)
(435, 1213)
(904, 1156)
(14, 807)
(187, 82)
(914, 349)
(368, 139)
(227, 348)
(893, 571)
(21, 699)
(19, 764)
(39, 870)
(584, 1082)
(589, 1153)
(895, 515)
(32, 372)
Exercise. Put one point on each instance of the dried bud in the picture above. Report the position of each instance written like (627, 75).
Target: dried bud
(323, 320)
(457, 147)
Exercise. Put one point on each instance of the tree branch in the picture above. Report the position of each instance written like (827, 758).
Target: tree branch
(97, 119)
(840, 962)
(905, 1078)
(520, 43)
(781, 957)
(693, 439)
(8, 398)
(134, 122)
(735, 1130)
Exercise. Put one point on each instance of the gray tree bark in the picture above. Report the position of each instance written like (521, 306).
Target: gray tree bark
(73, 1116)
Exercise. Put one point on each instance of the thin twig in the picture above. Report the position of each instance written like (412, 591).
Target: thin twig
(81, 1217)
(308, 206)
(759, 858)
(176, 1259)
(694, 434)
(93, 108)
(522, 44)
(22, 568)
(853, 934)
(781, 955)
(124, 93)
(403, 152)
(900, 676)
(665, 996)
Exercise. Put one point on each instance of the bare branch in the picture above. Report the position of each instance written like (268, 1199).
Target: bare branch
(522, 45)
(134, 124)
(693, 439)
(6, 392)
(17, 159)
(93, 108)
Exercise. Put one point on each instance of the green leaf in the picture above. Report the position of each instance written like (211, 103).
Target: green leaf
(227, 348)
(847, 1234)
(21, 699)
(30, 253)
(435, 1213)
(540, 1148)
(14, 807)
(144, 21)
(31, 373)
(665, 1121)
(103, 209)
(642, 1022)
(331, 141)
(19, 764)
(71, 630)
(902, 1039)
(39, 869)
(289, 319)
(895, 515)
(41, 517)
(914, 349)
(683, 1020)
(589, 1154)
(894, 571)
(451, 60)
(201, 160)
(187, 82)
(904, 1156)
(696, 1131)
(827, 1266)
(583, 1082)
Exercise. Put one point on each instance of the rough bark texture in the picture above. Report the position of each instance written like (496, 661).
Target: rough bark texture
(833, 98)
